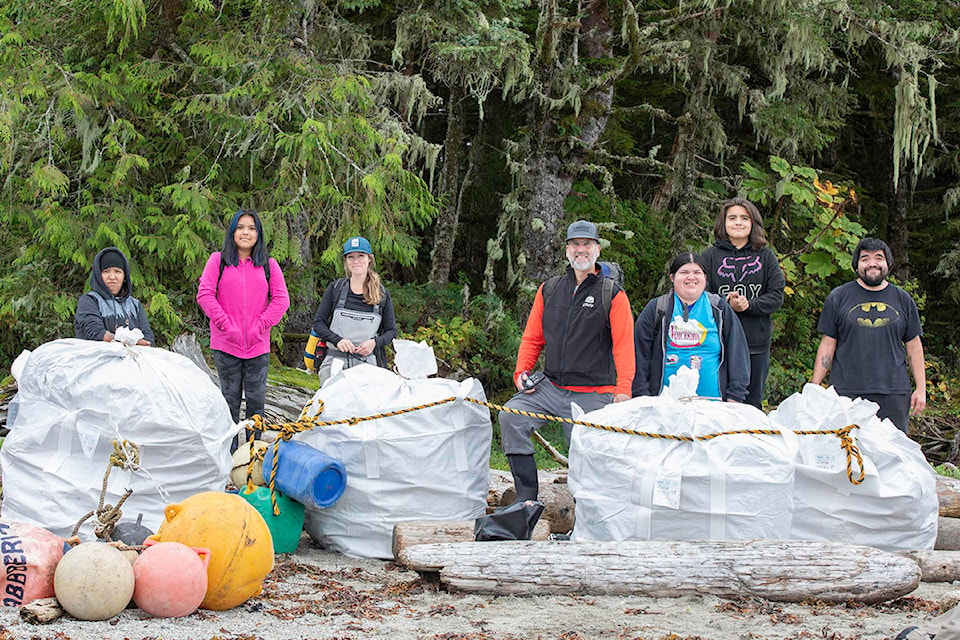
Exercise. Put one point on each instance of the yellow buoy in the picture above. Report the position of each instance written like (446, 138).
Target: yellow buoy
(241, 549)
(93, 581)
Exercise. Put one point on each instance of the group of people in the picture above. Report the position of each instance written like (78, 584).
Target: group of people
(243, 294)
(716, 319)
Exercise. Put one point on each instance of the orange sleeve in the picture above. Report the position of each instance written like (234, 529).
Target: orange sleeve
(531, 343)
(621, 330)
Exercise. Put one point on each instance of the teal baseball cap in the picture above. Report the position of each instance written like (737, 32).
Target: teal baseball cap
(357, 244)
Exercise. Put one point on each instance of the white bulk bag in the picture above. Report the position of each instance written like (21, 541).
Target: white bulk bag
(631, 487)
(429, 464)
(895, 508)
(75, 398)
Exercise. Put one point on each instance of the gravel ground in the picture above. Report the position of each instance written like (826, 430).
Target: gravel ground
(319, 594)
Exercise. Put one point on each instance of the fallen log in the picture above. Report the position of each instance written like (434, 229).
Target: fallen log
(780, 571)
(408, 534)
(936, 566)
(948, 493)
(948, 534)
(558, 505)
(42, 611)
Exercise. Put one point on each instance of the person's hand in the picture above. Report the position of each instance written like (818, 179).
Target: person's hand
(366, 347)
(918, 401)
(621, 397)
(143, 343)
(734, 401)
(107, 336)
(737, 302)
(346, 346)
(519, 382)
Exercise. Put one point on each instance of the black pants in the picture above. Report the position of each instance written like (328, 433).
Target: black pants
(759, 368)
(242, 377)
(895, 407)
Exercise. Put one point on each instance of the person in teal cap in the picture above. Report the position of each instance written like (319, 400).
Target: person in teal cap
(355, 317)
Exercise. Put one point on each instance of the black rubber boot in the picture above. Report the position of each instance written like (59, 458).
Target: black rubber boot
(524, 470)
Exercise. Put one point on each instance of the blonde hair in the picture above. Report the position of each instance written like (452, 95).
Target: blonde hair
(371, 286)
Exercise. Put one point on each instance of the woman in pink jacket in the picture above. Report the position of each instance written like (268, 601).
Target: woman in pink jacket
(243, 293)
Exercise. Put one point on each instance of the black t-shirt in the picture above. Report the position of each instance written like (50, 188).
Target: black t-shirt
(871, 329)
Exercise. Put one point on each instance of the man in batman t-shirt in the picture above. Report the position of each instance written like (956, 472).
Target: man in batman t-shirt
(871, 330)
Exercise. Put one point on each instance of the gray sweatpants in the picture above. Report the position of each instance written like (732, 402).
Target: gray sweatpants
(515, 430)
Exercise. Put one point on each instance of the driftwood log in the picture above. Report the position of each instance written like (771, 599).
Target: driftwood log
(948, 534)
(408, 534)
(936, 566)
(948, 493)
(781, 571)
(41, 611)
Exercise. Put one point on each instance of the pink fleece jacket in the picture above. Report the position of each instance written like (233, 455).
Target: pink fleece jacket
(240, 312)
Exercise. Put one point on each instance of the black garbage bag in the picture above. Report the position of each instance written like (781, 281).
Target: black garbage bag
(514, 522)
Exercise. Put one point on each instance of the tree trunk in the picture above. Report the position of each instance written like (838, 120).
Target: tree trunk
(780, 571)
(898, 236)
(547, 176)
(446, 229)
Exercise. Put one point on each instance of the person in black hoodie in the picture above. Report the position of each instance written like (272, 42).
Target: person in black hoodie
(741, 267)
(108, 304)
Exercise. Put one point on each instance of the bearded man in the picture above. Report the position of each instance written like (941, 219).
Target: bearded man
(582, 323)
(871, 331)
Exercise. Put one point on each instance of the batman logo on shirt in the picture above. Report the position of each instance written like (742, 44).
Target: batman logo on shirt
(873, 315)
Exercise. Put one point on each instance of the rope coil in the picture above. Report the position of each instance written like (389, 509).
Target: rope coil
(126, 457)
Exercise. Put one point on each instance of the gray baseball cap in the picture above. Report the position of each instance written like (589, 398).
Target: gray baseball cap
(583, 229)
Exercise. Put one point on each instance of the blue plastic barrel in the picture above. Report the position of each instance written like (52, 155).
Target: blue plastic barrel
(305, 474)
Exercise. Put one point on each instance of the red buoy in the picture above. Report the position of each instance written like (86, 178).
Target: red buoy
(170, 579)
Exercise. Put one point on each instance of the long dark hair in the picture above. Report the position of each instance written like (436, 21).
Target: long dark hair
(259, 255)
(758, 237)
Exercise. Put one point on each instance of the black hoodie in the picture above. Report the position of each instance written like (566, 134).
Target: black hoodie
(756, 275)
(99, 311)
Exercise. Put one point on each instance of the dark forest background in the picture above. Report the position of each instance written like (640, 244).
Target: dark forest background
(461, 137)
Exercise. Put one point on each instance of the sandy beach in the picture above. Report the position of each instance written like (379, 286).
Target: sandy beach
(315, 593)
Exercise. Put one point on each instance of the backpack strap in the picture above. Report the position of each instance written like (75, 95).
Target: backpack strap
(663, 304)
(548, 286)
(606, 294)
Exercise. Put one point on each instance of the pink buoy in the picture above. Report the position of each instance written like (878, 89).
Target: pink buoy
(30, 556)
(170, 579)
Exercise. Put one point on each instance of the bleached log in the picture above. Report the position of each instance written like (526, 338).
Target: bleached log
(936, 566)
(781, 571)
(558, 505)
(407, 534)
(948, 534)
(948, 493)
(42, 611)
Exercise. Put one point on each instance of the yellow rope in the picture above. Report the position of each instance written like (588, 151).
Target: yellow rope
(304, 423)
